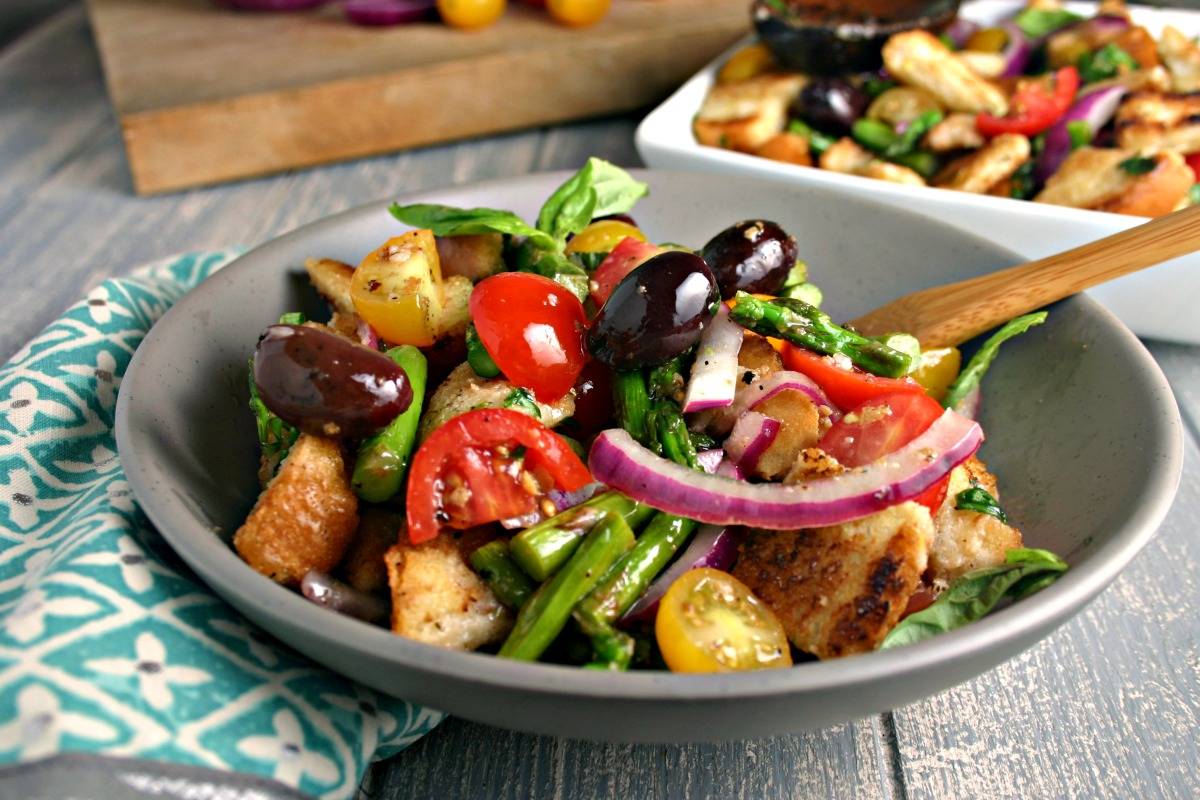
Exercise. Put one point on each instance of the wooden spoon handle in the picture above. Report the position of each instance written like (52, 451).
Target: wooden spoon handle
(953, 313)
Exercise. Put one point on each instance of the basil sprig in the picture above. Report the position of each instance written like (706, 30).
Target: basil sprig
(596, 190)
(451, 221)
(972, 596)
(1138, 165)
(521, 399)
(973, 373)
(1038, 22)
(979, 500)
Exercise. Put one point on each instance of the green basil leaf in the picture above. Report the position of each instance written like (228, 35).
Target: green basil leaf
(1138, 165)
(1107, 62)
(596, 190)
(980, 501)
(522, 400)
(977, 367)
(1038, 22)
(450, 221)
(975, 594)
(275, 436)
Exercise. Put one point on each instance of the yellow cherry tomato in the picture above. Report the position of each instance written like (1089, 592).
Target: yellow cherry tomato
(709, 621)
(578, 13)
(937, 370)
(987, 40)
(470, 14)
(749, 62)
(602, 236)
(397, 289)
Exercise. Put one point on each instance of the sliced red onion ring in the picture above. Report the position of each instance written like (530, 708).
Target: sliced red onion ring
(1095, 108)
(564, 500)
(620, 462)
(329, 592)
(367, 335)
(752, 434)
(730, 470)
(750, 397)
(960, 30)
(713, 546)
(710, 460)
(713, 382)
(1017, 52)
(387, 12)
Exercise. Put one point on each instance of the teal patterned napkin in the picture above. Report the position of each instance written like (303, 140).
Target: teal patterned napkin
(107, 643)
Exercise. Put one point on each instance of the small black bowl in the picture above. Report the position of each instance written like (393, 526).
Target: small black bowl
(833, 37)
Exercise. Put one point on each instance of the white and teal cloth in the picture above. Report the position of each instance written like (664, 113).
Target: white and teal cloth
(108, 644)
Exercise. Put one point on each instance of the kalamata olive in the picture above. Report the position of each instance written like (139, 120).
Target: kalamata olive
(328, 385)
(830, 104)
(655, 313)
(753, 256)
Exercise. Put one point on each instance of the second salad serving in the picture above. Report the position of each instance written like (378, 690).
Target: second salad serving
(559, 441)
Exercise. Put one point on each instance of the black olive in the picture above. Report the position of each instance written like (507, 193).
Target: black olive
(830, 104)
(328, 385)
(753, 256)
(655, 313)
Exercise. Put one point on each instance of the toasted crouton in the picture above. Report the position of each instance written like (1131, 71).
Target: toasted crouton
(800, 426)
(893, 173)
(1182, 57)
(362, 567)
(788, 147)
(438, 599)
(839, 590)
(1152, 121)
(1140, 45)
(982, 170)
(305, 518)
(473, 256)
(757, 360)
(985, 65)
(1093, 178)
(456, 309)
(331, 279)
(918, 58)
(747, 114)
(956, 132)
(847, 156)
(966, 540)
(463, 390)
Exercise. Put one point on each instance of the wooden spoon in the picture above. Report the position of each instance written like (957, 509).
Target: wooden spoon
(951, 314)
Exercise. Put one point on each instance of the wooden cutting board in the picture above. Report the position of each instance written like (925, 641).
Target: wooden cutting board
(206, 94)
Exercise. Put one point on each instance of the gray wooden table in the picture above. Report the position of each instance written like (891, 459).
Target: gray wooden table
(1109, 706)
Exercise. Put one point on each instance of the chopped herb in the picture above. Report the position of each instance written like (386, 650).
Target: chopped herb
(973, 595)
(973, 373)
(1107, 62)
(1024, 184)
(1038, 22)
(702, 441)
(817, 142)
(1080, 132)
(521, 399)
(977, 499)
(1138, 165)
(293, 318)
(275, 436)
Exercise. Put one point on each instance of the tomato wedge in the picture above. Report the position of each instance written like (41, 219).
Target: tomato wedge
(846, 387)
(533, 329)
(1193, 161)
(468, 471)
(1034, 107)
(627, 256)
(881, 426)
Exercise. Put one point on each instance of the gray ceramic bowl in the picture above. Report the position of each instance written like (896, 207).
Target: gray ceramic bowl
(1083, 432)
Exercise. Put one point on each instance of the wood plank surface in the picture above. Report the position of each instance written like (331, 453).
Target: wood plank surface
(207, 94)
(1107, 707)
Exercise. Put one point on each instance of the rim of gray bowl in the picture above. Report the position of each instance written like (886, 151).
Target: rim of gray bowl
(205, 552)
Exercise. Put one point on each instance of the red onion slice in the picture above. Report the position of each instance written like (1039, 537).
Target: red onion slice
(713, 382)
(387, 12)
(710, 460)
(329, 592)
(563, 500)
(367, 335)
(730, 470)
(1017, 52)
(1095, 108)
(960, 30)
(620, 462)
(752, 434)
(713, 546)
(750, 397)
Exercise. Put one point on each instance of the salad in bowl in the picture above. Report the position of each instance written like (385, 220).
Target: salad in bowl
(558, 441)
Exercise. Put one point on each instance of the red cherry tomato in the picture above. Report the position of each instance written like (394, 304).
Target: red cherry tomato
(1193, 161)
(847, 388)
(1034, 107)
(466, 474)
(881, 426)
(533, 329)
(624, 259)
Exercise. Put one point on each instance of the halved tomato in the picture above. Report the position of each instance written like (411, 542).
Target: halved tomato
(470, 471)
(847, 387)
(627, 256)
(883, 425)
